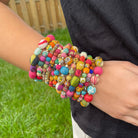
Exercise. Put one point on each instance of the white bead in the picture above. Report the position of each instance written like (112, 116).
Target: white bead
(42, 44)
(83, 54)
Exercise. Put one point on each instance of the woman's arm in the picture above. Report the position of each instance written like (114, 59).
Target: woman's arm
(17, 39)
(117, 92)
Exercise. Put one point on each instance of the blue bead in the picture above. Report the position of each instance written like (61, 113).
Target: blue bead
(81, 84)
(56, 72)
(91, 71)
(66, 50)
(48, 59)
(71, 88)
(64, 70)
(83, 92)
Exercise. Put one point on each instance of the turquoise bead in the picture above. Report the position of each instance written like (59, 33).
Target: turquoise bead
(40, 63)
(56, 61)
(78, 93)
(84, 75)
(66, 50)
(37, 51)
(38, 71)
(83, 92)
(45, 53)
(48, 59)
(91, 90)
(64, 70)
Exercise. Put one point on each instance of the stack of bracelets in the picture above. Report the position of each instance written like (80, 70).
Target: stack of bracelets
(73, 74)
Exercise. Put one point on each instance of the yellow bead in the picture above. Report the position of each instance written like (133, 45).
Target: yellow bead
(47, 39)
(74, 48)
(99, 61)
(78, 89)
(51, 78)
(68, 78)
(80, 65)
(55, 77)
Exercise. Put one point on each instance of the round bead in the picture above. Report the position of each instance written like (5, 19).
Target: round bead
(68, 46)
(84, 103)
(37, 51)
(66, 50)
(59, 92)
(83, 54)
(91, 90)
(57, 51)
(88, 98)
(89, 75)
(71, 71)
(83, 92)
(56, 61)
(67, 84)
(84, 75)
(75, 60)
(78, 93)
(64, 55)
(32, 75)
(98, 70)
(42, 44)
(55, 77)
(94, 79)
(64, 70)
(49, 47)
(74, 48)
(48, 59)
(99, 61)
(91, 71)
(71, 88)
(82, 80)
(71, 53)
(75, 81)
(82, 58)
(39, 77)
(68, 77)
(86, 70)
(34, 60)
(80, 65)
(89, 57)
(60, 87)
(65, 89)
(52, 73)
(40, 63)
(42, 58)
(51, 37)
(68, 60)
(88, 61)
(86, 84)
(44, 53)
(73, 66)
(50, 55)
(56, 72)
(33, 68)
(75, 95)
(69, 93)
(78, 73)
(78, 89)
(62, 96)
(54, 58)
(52, 44)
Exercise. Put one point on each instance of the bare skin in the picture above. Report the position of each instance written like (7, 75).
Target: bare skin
(117, 91)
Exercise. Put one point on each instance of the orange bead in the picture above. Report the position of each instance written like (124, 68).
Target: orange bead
(54, 82)
(76, 95)
(48, 39)
(91, 67)
(86, 70)
(59, 92)
(52, 44)
(51, 78)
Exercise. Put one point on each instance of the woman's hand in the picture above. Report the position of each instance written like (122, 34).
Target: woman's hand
(117, 91)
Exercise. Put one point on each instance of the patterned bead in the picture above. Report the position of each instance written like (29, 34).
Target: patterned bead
(71, 71)
(68, 60)
(34, 60)
(82, 58)
(94, 79)
(56, 61)
(68, 77)
(32, 75)
(56, 72)
(88, 98)
(89, 57)
(91, 90)
(37, 51)
(99, 61)
(98, 70)
(42, 58)
(71, 88)
(80, 65)
(78, 89)
(64, 55)
(82, 80)
(74, 48)
(48, 59)
(42, 44)
(84, 103)
(45, 53)
(75, 81)
(69, 93)
(64, 70)
(78, 73)
(86, 70)
(84, 75)
(83, 54)
(83, 92)
(66, 50)
(75, 95)
(40, 63)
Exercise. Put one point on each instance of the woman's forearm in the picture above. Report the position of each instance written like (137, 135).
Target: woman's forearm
(17, 39)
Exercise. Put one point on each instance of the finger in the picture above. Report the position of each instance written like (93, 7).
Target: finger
(130, 120)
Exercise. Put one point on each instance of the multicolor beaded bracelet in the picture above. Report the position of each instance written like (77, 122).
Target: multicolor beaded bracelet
(73, 75)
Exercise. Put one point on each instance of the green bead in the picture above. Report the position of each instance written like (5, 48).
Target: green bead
(37, 51)
(45, 66)
(84, 75)
(71, 71)
(56, 61)
(66, 50)
(75, 81)
(89, 57)
(40, 63)
(39, 71)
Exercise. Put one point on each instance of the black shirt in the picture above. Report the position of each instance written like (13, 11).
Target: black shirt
(108, 28)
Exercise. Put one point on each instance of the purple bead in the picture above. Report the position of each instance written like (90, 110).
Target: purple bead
(60, 87)
(33, 68)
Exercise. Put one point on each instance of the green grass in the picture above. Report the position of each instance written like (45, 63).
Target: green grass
(31, 109)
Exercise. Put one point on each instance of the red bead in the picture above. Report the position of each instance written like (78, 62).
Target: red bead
(88, 61)
(39, 77)
(50, 55)
(78, 73)
(50, 82)
(88, 98)
(56, 54)
(86, 84)
(82, 58)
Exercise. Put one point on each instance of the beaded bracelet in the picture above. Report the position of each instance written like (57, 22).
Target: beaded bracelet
(73, 75)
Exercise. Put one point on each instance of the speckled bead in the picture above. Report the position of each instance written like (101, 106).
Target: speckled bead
(75, 81)
(42, 44)
(91, 90)
(69, 93)
(84, 103)
(64, 70)
(88, 98)
(80, 65)
(99, 61)
(45, 53)
(32, 75)
(37, 51)
(98, 70)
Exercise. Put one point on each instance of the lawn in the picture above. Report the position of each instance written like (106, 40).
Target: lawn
(31, 109)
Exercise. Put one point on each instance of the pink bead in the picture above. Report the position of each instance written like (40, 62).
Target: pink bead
(64, 55)
(88, 61)
(32, 75)
(65, 89)
(52, 73)
(47, 62)
(73, 65)
(77, 56)
(62, 96)
(69, 93)
(61, 46)
(86, 84)
(49, 68)
(39, 69)
(57, 51)
(51, 37)
(89, 75)
(42, 58)
(72, 53)
(80, 86)
(44, 70)
(98, 70)
(78, 72)
(94, 79)
(54, 58)
(58, 67)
